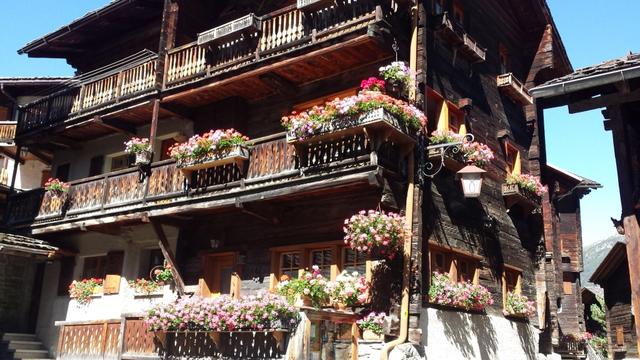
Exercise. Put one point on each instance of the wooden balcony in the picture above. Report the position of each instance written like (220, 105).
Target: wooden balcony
(85, 95)
(514, 89)
(455, 35)
(7, 132)
(273, 171)
(282, 33)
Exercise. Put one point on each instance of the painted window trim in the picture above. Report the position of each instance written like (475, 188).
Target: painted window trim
(455, 257)
(518, 286)
(448, 111)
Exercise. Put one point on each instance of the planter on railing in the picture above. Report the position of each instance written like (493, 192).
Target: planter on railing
(515, 195)
(375, 120)
(246, 24)
(237, 154)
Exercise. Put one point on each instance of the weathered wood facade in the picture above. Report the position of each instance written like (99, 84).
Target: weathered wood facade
(470, 58)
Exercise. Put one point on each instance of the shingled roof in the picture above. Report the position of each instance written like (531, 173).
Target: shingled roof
(624, 62)
(23, 244)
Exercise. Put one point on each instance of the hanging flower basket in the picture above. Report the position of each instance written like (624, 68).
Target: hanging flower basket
(141, 148)
(143, 158)
(374, 232)
(214, 148)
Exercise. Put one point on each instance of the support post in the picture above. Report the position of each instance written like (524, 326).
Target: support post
(16, 162)
(168, 255)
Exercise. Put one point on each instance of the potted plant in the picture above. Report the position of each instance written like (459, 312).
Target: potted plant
(374, 232)
(372, 326)
(213, 148)
(398, 77)
(373, 84)
(477, 153)
(144, 286)
(55, 187)
(348, 290)
(141, 148)
(463, 295)
(518, 305)
(83, 290)
(161, 274)
(309, 289)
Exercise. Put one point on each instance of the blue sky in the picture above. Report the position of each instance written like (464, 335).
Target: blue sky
(592, 30)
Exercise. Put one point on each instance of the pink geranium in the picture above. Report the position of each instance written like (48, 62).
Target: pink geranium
(372, 230)
(202, 146)
(527, 182)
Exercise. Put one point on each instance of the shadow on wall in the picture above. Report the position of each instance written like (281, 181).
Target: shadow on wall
(525, 335)
(464, 330)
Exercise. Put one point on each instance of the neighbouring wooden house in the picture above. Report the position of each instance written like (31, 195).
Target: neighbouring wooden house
(613, 85)
(590, 297)
(613, 276)
(168, 70)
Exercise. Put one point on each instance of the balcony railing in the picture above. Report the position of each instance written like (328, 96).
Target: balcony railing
(281, 31)
(454, 33)
(83, 96)
(272, 161)
(513, 88)
(7, 131)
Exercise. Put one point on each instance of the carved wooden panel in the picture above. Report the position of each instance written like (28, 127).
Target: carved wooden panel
(52, 205)
(271, 158)
(89, 341)
(165, 180)
(124, 188)
(137, 340)
(86, 196)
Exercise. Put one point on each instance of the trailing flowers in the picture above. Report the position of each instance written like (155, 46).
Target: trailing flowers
(82, 290)
(259, 312)
(372, 230)
(200, 147)
(137, 145)
(477, 153)
(144, 286)
(56, 187)
(517, 304)
(464, 295)
(373, 322)
(307, 123)
(527, 182)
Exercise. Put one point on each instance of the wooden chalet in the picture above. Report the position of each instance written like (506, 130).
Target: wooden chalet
(168, 70)
(614, 86)
(613, 276)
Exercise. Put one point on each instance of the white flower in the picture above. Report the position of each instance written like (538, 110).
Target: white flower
(306, 291)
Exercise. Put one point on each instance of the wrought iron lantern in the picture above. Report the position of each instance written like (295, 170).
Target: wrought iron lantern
(471, 180)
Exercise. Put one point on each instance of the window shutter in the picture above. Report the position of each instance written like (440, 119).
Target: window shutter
(517, 165)
(619, 336)
(443, 119)
(66, 274)
(96, 164)
(113, 270)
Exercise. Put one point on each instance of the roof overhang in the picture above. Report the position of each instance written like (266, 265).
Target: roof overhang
(610, 264)
(25, 246)
(117, 15)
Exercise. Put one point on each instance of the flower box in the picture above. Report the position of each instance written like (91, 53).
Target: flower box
(378, 120)
(247, 24)
(143, 158)
(237, 154)
(369, 335)
(314, 5)
(515, 195)
(452, 160)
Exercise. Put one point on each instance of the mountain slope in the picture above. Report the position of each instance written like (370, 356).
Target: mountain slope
(594, 254)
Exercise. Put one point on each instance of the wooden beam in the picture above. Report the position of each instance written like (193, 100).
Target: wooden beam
(280, 84)
(168, 255)
(603, 101)
(116, 125)
(178, 110)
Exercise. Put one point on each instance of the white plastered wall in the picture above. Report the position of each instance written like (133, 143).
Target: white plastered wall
(133, 240)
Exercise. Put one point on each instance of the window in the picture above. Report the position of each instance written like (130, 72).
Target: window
(94, 267)
(65, 278)
(460, 266)
(4, 113)
(120, 162)
(164, 148)
(354, 261)
(450, 117)
(512, 156)
(458, 12)
(62, 172)
(511, 279)
(321, 100)
(96, 165)
(438, 7)
(332, 257)
(504, 59)
(324, 259)
(149, 259)
(290, 264)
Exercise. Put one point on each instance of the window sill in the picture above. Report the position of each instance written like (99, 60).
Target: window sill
(456, 308)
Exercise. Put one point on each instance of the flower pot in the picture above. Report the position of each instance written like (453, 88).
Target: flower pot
(143, 158)
(371, 336)
(395, 89)
(304, 300)
(340, 306)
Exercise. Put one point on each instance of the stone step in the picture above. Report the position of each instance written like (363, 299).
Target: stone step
(30, 354)
(25, 345)
(19, 337)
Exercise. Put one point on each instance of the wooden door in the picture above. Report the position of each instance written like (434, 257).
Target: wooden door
(217, 271)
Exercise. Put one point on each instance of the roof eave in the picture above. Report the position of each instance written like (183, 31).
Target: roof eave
(587, 82)
(618, 252)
